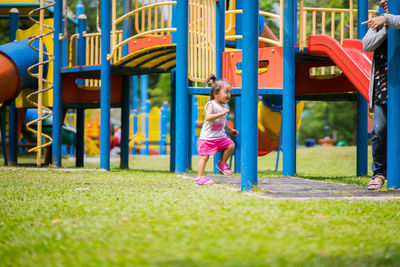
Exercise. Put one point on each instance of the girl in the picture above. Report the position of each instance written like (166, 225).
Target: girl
(213, 137)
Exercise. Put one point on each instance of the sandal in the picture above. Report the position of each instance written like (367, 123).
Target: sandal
(376, 183)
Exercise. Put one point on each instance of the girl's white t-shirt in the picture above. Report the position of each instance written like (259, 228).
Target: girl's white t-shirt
(212, 130)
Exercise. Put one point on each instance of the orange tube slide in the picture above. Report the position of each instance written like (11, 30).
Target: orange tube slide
(10, 82)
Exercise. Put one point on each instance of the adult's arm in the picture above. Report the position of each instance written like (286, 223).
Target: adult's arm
(392, 20)
(373, 39)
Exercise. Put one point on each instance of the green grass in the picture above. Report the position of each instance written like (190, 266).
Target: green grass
(144, 217)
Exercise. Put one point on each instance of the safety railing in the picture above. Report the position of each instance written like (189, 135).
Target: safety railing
(152, 17)
(93, 55)
(338, 23)
(262, 39)
(230, 21)
(202, 39)
(149, 8)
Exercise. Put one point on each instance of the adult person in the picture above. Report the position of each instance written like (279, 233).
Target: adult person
(375, 40)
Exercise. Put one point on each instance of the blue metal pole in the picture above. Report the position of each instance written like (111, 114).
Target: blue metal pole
(80, 60)
(249, 95)
(3, 133)
(279, 146)
(172, 156)
(238, 137)
(126, 87)
(134, 130)
(220, 48)
(393, 120)
(80, 113)
(144, 97)
(124, 161)
(144, 94)
(146, 128)
(105, 74)
(12, 119)
(238, 99)
(190, 132)
(239, 26)
(13, 24)
(57, 90)
(195, 115)
(71, 135)
(126, 25)
(182, 87)
(362, 104)
(135, 98)
(289, 103)
(135, 108)
(163, 129)
(220, 32)
(79, 9)
(80, 137)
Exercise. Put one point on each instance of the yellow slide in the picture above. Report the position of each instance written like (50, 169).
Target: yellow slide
(269, 125)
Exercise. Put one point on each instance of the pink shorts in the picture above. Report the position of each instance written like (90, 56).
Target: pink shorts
(211, 147)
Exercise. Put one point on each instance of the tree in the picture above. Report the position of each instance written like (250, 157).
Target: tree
(339, 116)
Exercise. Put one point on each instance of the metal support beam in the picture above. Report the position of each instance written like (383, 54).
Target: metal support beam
(105, 74)
(125, 110)
(80, 113)
(249, 95)
(393, 120)
(57, 90)
(182, 87)
(12, 111)
(289, 103)
(362, 104)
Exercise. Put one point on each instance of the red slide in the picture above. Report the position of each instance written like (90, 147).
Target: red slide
(349, 57)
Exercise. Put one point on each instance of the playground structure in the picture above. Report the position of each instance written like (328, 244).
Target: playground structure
(191, 45)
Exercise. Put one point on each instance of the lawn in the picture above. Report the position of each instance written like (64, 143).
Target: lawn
(142, 217)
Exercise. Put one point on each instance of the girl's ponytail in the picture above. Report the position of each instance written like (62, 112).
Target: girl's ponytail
(211, 78)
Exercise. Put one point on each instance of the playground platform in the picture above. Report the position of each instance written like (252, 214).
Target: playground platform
(283, 187)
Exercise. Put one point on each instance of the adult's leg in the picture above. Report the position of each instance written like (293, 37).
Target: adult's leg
(379, 141)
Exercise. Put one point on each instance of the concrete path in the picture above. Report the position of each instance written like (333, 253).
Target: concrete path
(288, 187)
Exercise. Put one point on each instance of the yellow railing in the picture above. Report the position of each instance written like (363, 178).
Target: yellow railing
(202, 41)
(156, 16)
(72, 49)
(262, 39)
(151, 29)
(93, 55)
(230, 24)
(336, 22)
